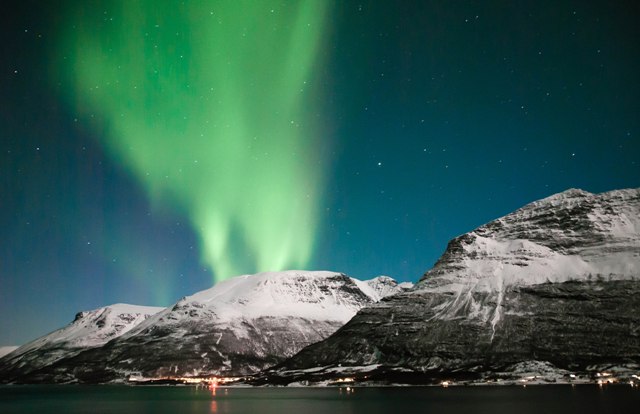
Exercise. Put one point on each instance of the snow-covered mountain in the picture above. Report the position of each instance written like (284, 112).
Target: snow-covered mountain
(384, 286)
(571, 236)
(239, 326)
(90, 329)
(315, 296)
(556, 281)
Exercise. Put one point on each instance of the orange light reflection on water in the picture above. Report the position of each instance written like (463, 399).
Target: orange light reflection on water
(213, 388)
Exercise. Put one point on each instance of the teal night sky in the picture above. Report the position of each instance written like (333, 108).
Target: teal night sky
(150, 149)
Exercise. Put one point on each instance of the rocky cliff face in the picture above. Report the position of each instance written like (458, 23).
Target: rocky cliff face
(238, 327)
(556, 281)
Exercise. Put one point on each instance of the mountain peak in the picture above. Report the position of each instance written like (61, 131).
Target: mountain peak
(573, 196)
(118, 309)
(572, 193)
(90, 329)
(572, 233)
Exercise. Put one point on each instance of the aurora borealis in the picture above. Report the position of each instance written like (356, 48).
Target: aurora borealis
(211, 106)
(150, 149)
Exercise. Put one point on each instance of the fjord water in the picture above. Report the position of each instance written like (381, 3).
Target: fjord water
(451, 400)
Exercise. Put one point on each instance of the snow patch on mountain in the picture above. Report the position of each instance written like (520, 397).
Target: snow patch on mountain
(4, 350)
(382, 286)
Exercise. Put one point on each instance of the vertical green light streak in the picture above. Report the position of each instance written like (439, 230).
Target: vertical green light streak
(210, 105)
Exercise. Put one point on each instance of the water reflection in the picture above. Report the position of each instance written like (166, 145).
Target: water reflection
(346, 390)
(213, 388)
(585, 399)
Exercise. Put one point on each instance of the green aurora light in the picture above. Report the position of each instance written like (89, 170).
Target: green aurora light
(211, 106)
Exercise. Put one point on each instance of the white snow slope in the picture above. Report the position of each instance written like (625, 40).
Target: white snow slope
(532, 246)
(90, 329)
(4, 350)
(312, 295)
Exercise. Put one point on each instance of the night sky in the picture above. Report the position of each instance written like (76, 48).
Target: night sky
(152, 148)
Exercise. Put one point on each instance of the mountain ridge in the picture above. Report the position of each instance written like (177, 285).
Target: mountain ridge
(89, 329)
(238, 326)
(553, 286)
(509, 292)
